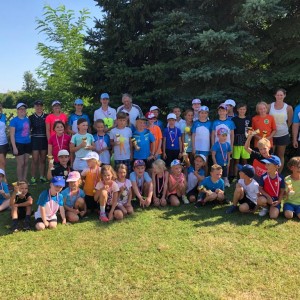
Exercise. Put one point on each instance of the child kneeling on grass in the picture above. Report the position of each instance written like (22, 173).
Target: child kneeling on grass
(75, 206)
(4, 192)
(212, 187)
(107, 191)
(271, 187)
(142, 185)
(246, 191)
(21, 205)
(49, 202)
(160, 177)
(292, 204)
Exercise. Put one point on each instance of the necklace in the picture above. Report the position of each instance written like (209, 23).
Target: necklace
(224, 156)
(159, 189)
(276, 192)
(170, 135)
(62, 141)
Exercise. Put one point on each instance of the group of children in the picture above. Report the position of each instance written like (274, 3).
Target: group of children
(169, 167)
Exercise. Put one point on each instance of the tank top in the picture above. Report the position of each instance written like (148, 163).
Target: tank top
(281, 117)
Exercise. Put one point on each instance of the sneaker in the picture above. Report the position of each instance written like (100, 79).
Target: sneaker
(32, 181)
(199, 203)
(231, 209)
(185, 200)
(226, 182)
(263, 212)
(14, 228)
(43, 179)
(103, 217)
(26, 226)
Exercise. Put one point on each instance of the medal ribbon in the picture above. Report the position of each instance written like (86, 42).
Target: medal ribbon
(224, 156)
(62, 142)
(100, 141)
(163, 183)
(52, 211)
(170, 135)
(270, 182)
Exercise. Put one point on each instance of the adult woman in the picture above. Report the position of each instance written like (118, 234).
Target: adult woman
(283, 114)
(19, 131)
(3, 139)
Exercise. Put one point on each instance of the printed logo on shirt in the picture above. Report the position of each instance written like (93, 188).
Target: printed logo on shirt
(266, 121)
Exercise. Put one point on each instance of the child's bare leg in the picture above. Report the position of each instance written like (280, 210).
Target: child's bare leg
(237, 195)
(129, 209)
(174, 200)
(146, 191)
(244, 208)
(289, 214)
(4, 205)
(163, 202)
(192, 198)
(220, 197)
(210, 197)
(274, 212)
(262, 201)
(72, 217)
(81, 206)
(52, 225)
(40, 226)
(118, 214)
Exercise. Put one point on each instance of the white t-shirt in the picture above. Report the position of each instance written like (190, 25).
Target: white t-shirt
(121, 151)
(125, 186)
(251, 190)
(134, 112)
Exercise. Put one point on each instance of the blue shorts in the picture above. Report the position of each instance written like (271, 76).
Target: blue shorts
(291, 207)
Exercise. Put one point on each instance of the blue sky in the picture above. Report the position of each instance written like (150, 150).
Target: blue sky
(19, 38)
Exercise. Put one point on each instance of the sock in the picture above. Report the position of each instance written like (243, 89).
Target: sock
(102, 209)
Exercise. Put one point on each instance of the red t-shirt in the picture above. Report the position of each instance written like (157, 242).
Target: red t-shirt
(51, 119)
(59, 143)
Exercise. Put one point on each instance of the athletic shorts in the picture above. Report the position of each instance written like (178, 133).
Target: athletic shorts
(193, 192)
(21, 213)
(292, 207)
(169, 196)
(171, 155)
(91, 204)
(40, 220)
(39, 143)
(23, 148)
(274, 199)
(240, 152)
(248, 201)
(4, 149)
(281, 140)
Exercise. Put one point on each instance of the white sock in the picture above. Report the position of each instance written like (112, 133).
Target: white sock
(102, 209)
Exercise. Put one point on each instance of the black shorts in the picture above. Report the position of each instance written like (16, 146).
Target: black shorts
(21, 213)
(4, 149)
(171, 155)
(39, 143)
(282, 140)
(23, 148)
(90, 202)
(248, 201)
(40, 220)
(179, 198)
(108, 208)
(193, 192)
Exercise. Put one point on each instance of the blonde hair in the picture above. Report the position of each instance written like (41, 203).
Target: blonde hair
(98, 162)
(261, 103)
(160, 165)
(264, 142)
(121, 167)
(22, 182)
(294, 162)
(109, 168)
(215, 167)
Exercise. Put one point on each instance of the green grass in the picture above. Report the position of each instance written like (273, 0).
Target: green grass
(172, 253)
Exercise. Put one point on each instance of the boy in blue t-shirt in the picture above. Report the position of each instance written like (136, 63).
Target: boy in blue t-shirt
(212, 187)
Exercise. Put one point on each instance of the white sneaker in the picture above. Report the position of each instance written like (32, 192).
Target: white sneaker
(263, 212)
(185, 200)
(226, 182)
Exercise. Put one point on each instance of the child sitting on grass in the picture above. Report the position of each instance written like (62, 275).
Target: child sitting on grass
(291, 206)
(142, 185)
(212, 187)
(160, 177)
(246, 191)
(271, 187)
(21, 205)
(4, 192)
(177, 184)
(75, 206)
(49, 202)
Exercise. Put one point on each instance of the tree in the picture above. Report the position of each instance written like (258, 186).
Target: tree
(30, 84)
(63, 52)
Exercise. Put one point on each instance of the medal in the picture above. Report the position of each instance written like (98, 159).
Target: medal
(170, 135)
(172, 145)
(224, 156)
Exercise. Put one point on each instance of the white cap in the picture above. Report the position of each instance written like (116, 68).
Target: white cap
(230, 102)
(202, 156)
(63, 152)
(171, 116)
(196, 101)
(91, 155)
(204, 108)
(2, 172)
(153, 108)
(55, 103)
(21, 104)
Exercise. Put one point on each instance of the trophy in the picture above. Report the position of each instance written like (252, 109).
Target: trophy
(84, 139)
(264, 134)
(51, 160)
(250, 131)
(290, 187)
(135, 144)
(14, 184)
(202, 189)
(117, 138)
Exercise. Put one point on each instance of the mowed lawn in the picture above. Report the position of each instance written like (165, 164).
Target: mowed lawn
(171, 253)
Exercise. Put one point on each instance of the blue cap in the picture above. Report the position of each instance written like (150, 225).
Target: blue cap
(175, 162)
(222, 131)
(273, 159)
(204, 108)
(58, 181)
(247, 170)
(78, 102)
(104, 96)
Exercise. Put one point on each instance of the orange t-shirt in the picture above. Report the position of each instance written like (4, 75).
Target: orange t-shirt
(156, 131)
(92, 177)
(266, 123)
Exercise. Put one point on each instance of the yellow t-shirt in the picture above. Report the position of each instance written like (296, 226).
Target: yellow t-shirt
(295, 184)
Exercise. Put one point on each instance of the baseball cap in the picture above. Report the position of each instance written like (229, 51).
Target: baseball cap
(138, 163)
(58, 181)
(175, 162)
(91, 155)
(78, 102)
(230, 102)
(2, 172)
(150, 115)
(125, 111)
(247, 170)
(56, 102)
(21, 104)
(273, 159)
(171, 116)
(38, 102)
(222, 105)
(73, 176)
(63, 152)
(141, 118)
(204, 108)
(222, 131)
(104, 96)
(196, 101)
(202, 156)
(153, 108)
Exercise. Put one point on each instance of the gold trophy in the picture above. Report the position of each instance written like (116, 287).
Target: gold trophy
(264, 134)
(185, 146)
(250, 131)
(51, 160)
(291, 191)
(202, 189)
(14, 184)
(135, 144)
(84, 139)
(117, 138)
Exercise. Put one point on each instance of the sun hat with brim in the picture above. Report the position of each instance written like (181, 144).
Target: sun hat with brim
(58, 181)
(248, 170)
(138, 163)
(273, 159)
(2, 172)
(63, 152)
(73, 176)
(56, 102)
(19, 105)
(222, 131)
(171, 116)
(175, 162)
(230, 102)
(91, 155)
(153, 108)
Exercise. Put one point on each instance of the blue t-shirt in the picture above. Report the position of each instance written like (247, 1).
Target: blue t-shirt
(144, 140)
(228, 125)
(296, 117)
(22, 130)
(172, 136)
(140, 181)
(213, 186)
(221, 152)
(4, 187)
(202, 131)
(73, 118)
(70, 201)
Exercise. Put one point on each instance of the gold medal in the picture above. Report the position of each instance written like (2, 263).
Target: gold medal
(172, 145)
